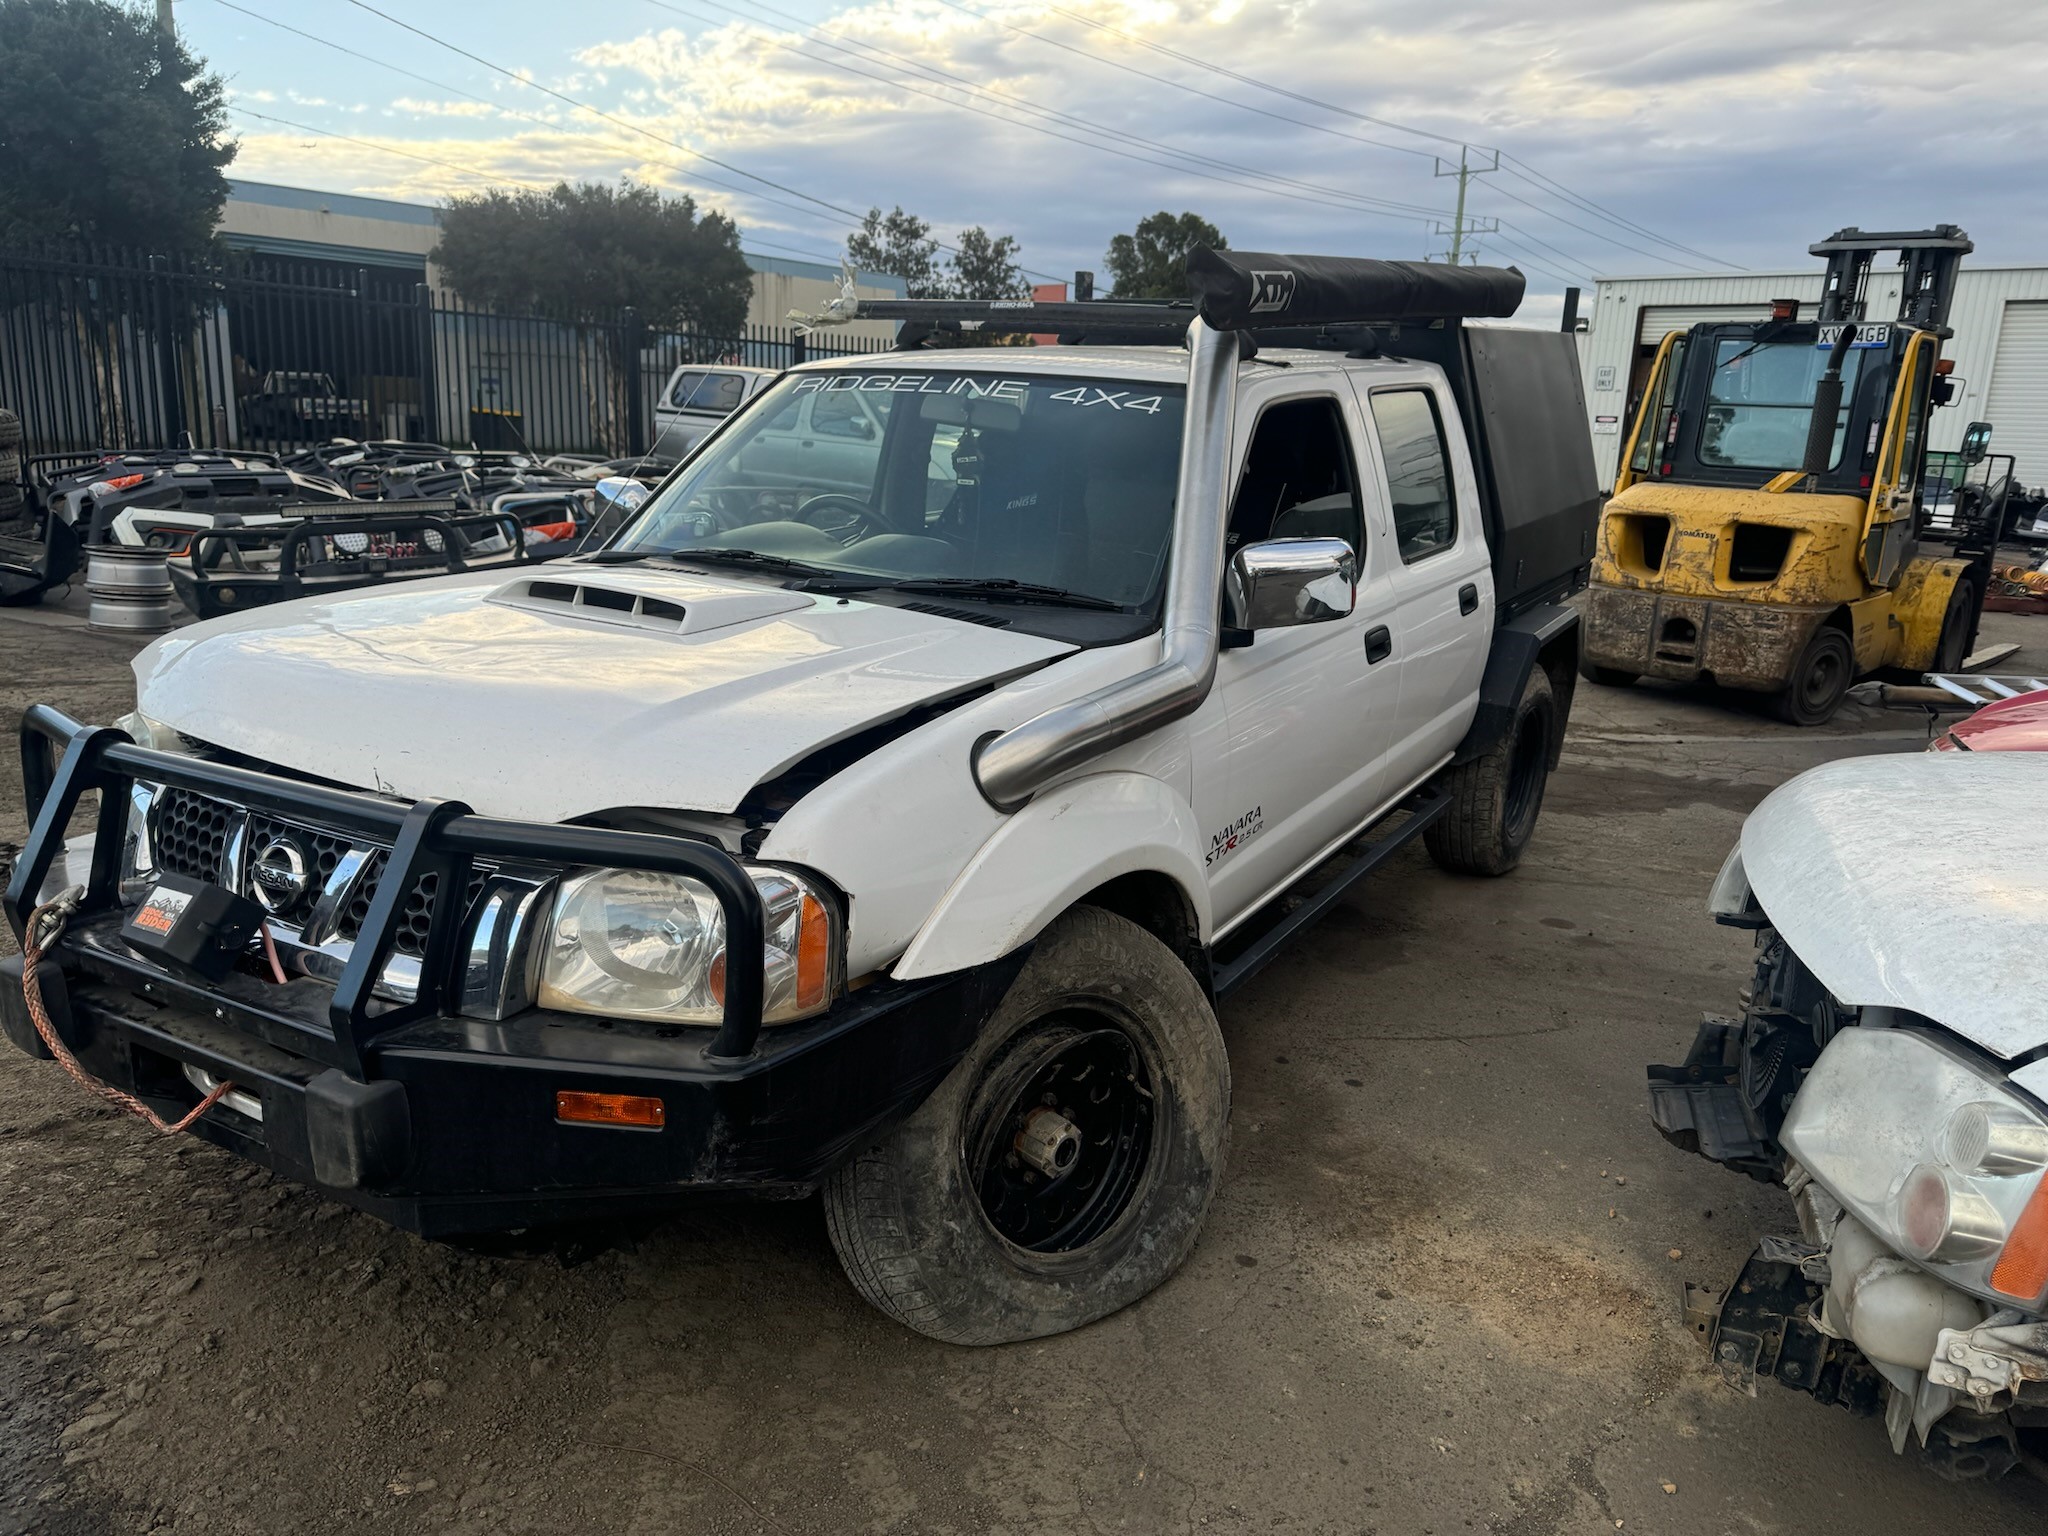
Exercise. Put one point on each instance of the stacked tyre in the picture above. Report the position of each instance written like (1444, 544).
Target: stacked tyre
(12, 501)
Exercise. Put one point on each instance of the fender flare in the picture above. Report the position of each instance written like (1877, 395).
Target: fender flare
(1517, 645)
(1042, 860)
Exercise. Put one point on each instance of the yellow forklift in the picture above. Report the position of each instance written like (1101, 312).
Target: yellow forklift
(1764, 528)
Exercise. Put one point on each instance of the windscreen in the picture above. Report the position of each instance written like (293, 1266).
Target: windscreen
(1760, 402)
(977, 476)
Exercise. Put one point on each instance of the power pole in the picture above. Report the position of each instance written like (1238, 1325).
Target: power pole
(165, 22)
(1461, 227)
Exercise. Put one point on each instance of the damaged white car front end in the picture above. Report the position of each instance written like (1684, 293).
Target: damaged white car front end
(1890, 1068)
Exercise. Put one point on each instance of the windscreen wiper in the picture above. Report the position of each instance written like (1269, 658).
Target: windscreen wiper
(1002, 589)
(754, 558)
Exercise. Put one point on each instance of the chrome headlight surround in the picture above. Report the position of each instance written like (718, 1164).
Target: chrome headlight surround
(1937, 1154)
(641, 944)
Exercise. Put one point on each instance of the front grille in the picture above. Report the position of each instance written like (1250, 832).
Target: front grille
(322, 851)
(192, 834)
(191, 838)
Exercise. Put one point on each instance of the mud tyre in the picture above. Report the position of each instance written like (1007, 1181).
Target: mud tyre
(10, 431)
(1496, 797)
(1104, 1067)
(1820, 680)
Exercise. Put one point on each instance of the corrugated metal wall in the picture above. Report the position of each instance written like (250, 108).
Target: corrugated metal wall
(2017, 398)
(1616, 319)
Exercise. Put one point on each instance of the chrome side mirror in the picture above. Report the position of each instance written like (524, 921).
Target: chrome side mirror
(1283, 582)
(622, 492)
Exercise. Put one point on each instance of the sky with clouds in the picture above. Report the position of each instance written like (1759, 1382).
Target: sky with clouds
(1634, 138)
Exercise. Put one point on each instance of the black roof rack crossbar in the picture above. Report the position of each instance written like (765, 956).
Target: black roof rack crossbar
(1232, 291)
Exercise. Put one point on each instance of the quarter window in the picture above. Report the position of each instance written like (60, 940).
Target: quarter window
(1418, 472)
(717, 394)
(684, 386)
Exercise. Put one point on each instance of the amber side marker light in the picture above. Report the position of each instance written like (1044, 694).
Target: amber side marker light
(2022, 1268)
(623, 1111)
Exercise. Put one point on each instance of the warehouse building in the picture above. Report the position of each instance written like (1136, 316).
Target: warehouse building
(2000, 350)
(390, 240)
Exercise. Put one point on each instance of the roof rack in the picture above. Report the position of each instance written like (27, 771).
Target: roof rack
(1233, 291)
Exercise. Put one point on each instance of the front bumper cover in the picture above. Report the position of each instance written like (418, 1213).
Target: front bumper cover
(439, 1122)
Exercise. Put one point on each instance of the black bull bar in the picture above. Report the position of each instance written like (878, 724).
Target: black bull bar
(63, 761)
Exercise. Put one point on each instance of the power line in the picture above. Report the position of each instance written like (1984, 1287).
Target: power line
(1181, 85)
(525, 117)
(385, 149)
(1353, 202)
(619, 122)
(1554, 187)
(1519, 167)
(750, 241)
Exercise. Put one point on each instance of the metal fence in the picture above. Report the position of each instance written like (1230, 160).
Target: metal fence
(119, 349)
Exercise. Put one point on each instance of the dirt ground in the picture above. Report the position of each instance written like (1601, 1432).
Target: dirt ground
(1439, 1292)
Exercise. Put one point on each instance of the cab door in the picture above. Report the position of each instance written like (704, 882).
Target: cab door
(1437, 569)
(1308, 710)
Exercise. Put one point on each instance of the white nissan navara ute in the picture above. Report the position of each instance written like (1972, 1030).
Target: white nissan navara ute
(884, 823)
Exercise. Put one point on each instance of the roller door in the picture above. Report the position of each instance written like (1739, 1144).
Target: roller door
(1659, 319)
(2017, 405)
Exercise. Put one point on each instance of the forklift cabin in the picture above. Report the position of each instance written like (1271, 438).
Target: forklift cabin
(1764, 530)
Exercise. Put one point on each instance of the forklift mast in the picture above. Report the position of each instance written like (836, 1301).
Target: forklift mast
(1930, 257)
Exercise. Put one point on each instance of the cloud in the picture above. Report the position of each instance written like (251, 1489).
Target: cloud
(1741, 128)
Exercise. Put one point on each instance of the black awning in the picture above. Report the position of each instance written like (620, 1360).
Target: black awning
(1238, 290)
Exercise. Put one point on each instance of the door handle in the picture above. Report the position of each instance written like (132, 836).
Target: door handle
(1379, 644)
(1468, 597)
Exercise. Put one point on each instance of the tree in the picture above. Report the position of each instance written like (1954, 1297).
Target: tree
(983, 266)
(1152, 261)
(594, 247)
(109, 130)
(899, 244)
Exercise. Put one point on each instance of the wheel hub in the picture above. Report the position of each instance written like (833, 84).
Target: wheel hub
(1061, 1135)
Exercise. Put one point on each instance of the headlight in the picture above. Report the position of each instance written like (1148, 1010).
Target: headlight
(153, 734)
(1940, 1157)
(636, 944)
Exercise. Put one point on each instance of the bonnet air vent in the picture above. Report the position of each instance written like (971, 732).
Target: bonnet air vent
(607, 604)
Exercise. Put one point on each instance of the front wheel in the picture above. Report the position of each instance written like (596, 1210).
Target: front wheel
(1495, 797)
(1066, 1165)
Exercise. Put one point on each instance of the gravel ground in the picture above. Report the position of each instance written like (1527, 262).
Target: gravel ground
(1439, 1292)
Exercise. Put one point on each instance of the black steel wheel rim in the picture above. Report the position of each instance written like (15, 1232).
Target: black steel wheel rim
(1525, 776)
(1093, 1076)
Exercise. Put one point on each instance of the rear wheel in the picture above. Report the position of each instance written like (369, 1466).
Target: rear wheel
(1822, 676)
(1496, 796)
(1953, 648)
(1066, 1165)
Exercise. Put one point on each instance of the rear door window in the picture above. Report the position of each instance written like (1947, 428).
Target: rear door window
(1418, 472)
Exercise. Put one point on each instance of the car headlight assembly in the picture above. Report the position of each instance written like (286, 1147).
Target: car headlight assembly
(1939, 1156)
(153, 734)
(638, 944)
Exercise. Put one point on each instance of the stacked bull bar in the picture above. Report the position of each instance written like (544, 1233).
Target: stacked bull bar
(356, 1126)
